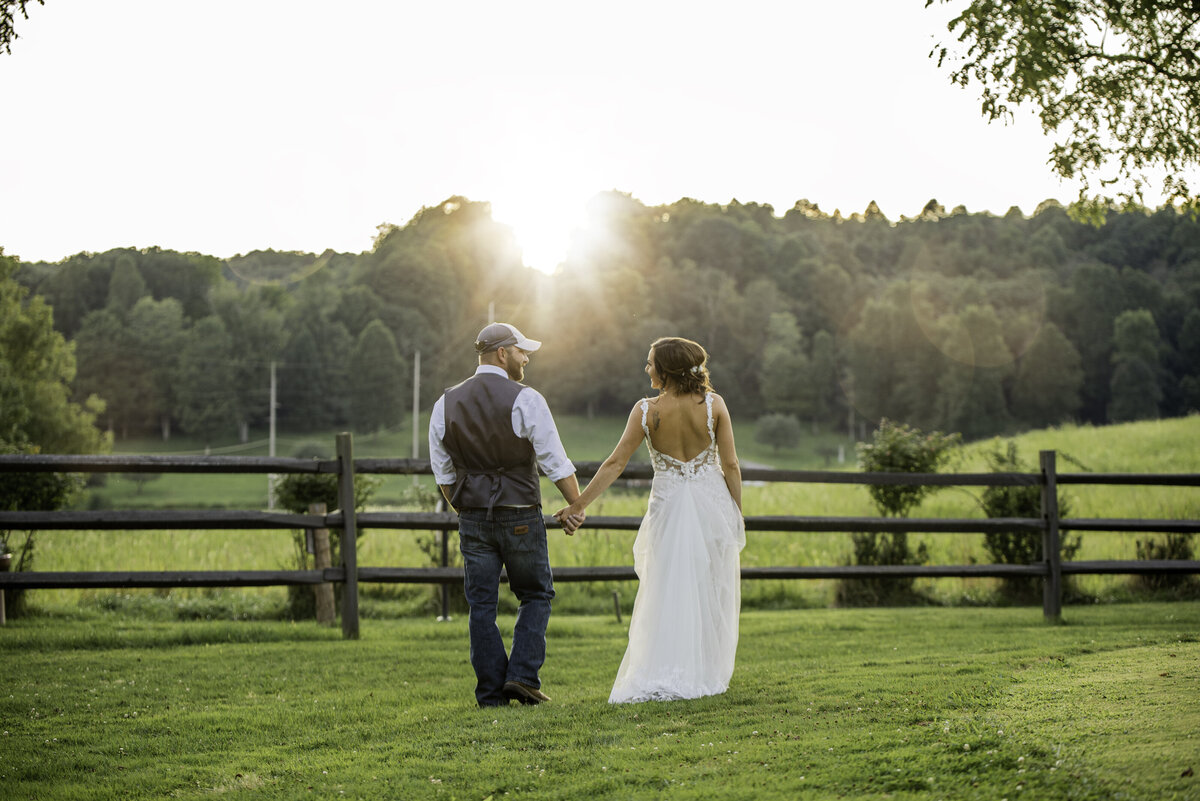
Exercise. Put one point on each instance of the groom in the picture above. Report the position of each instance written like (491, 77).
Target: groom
(487, 438)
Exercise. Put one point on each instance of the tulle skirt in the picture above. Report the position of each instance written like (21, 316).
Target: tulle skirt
(684, 629)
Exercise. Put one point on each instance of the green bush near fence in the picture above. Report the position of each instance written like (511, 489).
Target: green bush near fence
(894, 448)
(1022, 547)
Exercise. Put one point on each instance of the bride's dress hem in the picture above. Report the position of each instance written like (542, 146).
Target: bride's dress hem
(666, 695)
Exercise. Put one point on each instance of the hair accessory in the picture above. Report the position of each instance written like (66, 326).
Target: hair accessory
(695, 369)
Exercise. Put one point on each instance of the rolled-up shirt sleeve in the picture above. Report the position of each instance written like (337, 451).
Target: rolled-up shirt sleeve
(439, 457)
(531, 420)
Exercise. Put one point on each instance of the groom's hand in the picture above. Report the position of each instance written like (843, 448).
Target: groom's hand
(569, 522)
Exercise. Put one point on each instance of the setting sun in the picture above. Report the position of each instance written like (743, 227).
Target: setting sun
(539, 182)
(542, 228)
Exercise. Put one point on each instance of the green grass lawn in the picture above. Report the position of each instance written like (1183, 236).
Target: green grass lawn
(866, 704)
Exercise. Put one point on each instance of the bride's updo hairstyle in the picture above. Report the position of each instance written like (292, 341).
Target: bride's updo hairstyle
(682, 365)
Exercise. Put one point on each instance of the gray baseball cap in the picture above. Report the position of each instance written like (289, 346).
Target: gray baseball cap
(500, 335)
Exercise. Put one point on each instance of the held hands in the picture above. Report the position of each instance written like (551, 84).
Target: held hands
(571, 517)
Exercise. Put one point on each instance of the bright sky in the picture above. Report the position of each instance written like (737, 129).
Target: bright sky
(235, 125)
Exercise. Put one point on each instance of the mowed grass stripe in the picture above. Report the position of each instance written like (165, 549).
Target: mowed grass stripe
(886, 703)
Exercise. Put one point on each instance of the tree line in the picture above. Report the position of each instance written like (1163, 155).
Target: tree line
(965, 322)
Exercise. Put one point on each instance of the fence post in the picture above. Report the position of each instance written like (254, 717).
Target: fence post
(5, 561)
(445, 563)
(326, 614)
(1051, 548)
(345, 452)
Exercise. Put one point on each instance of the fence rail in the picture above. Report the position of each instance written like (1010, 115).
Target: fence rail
(346, 467)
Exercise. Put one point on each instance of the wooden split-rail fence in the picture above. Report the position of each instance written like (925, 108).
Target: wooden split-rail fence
(1050, 526)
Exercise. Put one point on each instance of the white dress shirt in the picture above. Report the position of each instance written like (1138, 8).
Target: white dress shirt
(531, 420)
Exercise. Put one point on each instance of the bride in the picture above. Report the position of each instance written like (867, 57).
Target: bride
(684, 629)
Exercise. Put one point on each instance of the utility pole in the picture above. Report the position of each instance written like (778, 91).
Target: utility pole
(271, 443)
(848, 388)
(416, 442)
(491, 312)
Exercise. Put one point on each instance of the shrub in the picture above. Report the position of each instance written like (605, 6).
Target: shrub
(1175, 546)
(295, 492)
(898, 448)
(1021, 547)
(871, 548)
(895, 448)
(778, 431)
(140, 479)
(311, 450)
(29, 492)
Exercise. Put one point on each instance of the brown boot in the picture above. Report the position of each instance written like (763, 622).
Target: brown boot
(524, 693)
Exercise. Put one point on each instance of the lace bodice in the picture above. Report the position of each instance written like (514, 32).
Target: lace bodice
(704, 461)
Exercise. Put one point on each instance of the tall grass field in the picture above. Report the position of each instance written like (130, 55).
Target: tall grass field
(1157, 446)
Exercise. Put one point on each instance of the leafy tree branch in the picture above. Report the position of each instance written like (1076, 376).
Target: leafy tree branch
(8, 11)
(1116, 82)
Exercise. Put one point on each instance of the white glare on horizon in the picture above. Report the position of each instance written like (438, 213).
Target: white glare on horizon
(309, 130)
(542, 229)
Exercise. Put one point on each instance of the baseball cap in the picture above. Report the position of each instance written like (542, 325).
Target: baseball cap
(500, 335)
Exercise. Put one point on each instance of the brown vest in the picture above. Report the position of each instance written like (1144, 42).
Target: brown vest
(492, 465)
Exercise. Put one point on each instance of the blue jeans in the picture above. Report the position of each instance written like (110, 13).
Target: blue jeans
(516, 540)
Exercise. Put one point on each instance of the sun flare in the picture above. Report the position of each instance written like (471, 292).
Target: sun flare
(541, 183)
(542, 228)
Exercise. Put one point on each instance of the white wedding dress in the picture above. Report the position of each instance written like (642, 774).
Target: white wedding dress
(684, 630)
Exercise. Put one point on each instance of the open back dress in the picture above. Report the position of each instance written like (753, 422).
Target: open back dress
(683, 633)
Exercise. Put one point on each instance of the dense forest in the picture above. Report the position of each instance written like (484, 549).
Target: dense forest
(974, 323)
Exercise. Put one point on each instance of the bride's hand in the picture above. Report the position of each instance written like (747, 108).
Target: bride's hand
(565, 521)
(571, 517)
